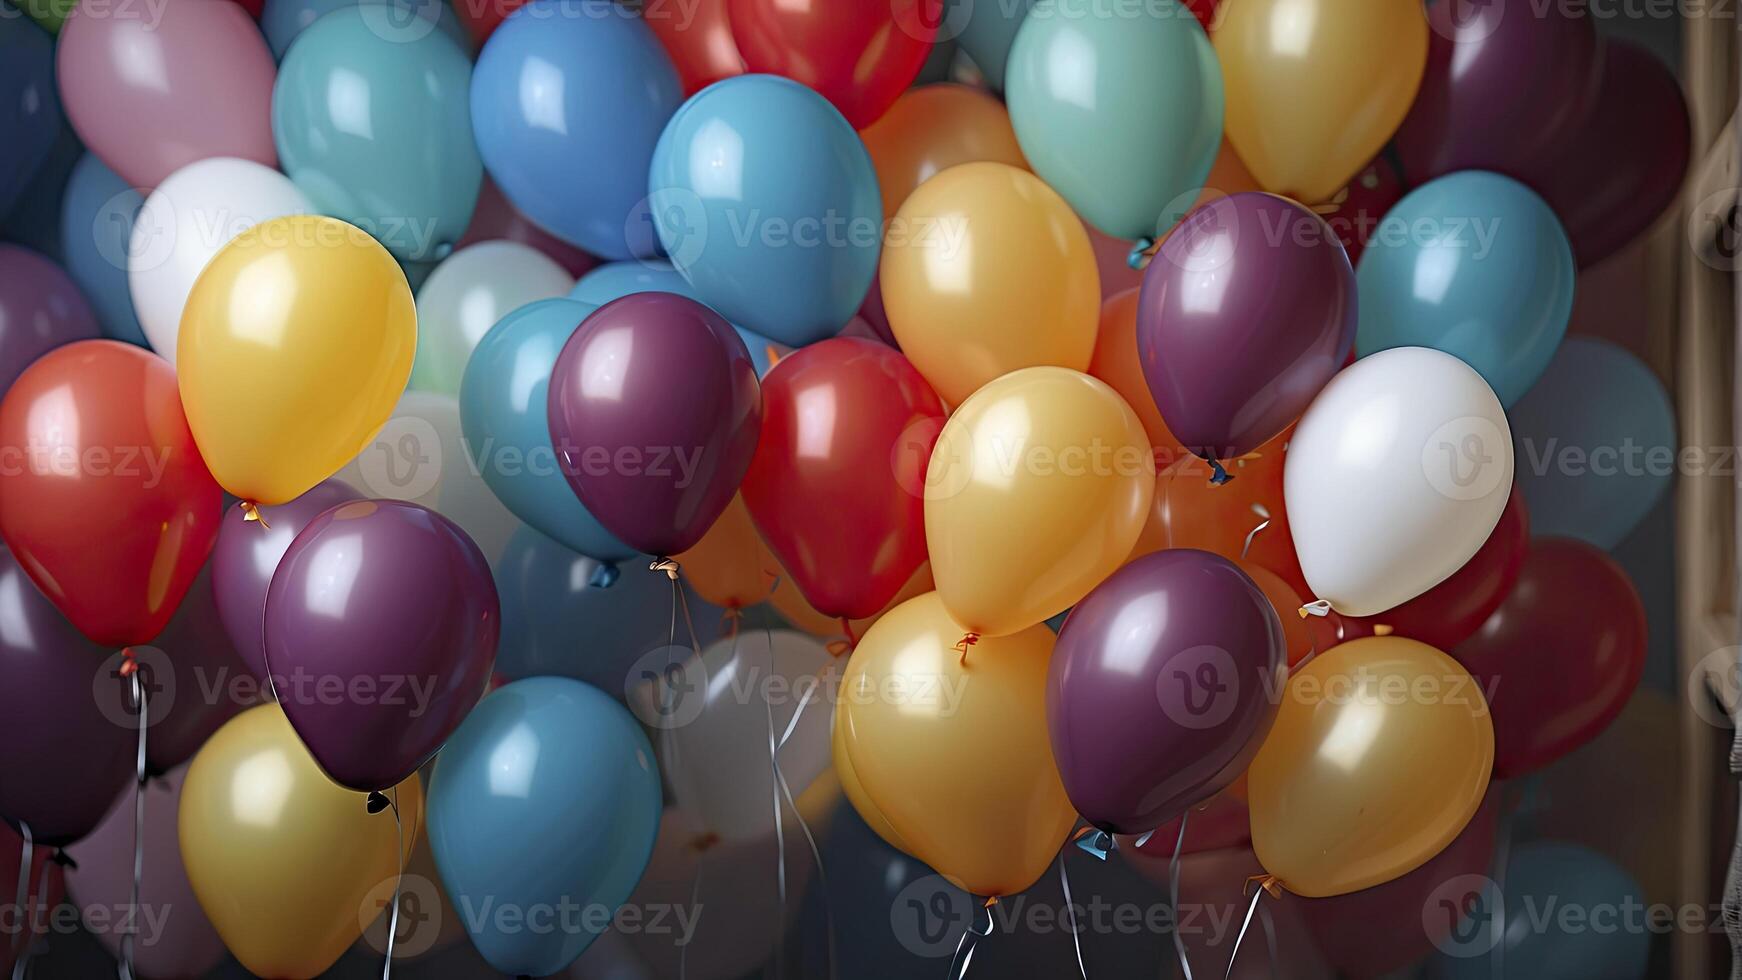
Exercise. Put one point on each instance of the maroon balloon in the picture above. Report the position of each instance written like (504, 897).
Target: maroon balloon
(654, 414)
(1246, 311)
(1363, 204)
(1220, 822)
(494, 218)
(40, 309)
(874, 315)
(381, 629)
(1163, 684)
(204, 668)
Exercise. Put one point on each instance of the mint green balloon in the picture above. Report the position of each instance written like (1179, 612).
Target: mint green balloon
(1118, 106)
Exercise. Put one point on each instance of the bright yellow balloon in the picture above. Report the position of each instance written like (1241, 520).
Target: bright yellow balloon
(283, 860)
(296, 344)
(986, 270)
(1379, 756)
(1315, 88)
(1036, 492)
(953, 750)
(730, 566)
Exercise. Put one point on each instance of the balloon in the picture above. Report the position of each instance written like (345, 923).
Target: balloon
(1356, 212)
(40, 310)
(1596, 442)
(1115, 362)
(1118, 107)
(986, 32)
(186, 221)
(1162, 688)
(281, 395)
(947, 747)
(394, 153)
(698, 39)
(30, 111)
(1379, 757)
(1246, 312)
(547, 794)
(860, 801)
(836, 485)
(283, 21)
(43, 894)
(394, 604)
(1395, 477)
(282, 859)
(1314, 94)
(730, 566)
(150, 95)
(790, 603)
(1215, 887)
(97, 216)
(1300, 639)
(482, 19)
(858, 56)
(1216, 824)
(792, 199)
(467, 295)
(1562, 654)
(568, 100)
(654, 411)
(494, 218)
(1050, 451)
(985, 271)
(192, 648)
(615, 280)
(931, 129)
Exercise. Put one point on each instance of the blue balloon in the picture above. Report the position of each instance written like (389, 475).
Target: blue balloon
(781, 229)
(30, 114)
(542, 811)
(96, 221)
(568, 98)
(614, 280)
(1476, 265)
(372, 124)
(282, 20)
(1594, 443)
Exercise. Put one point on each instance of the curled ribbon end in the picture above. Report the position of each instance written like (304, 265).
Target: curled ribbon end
(963, 644)
(666, 565)
(1218, 474)
(1270, 883)
(1321, 609)
(251, 514)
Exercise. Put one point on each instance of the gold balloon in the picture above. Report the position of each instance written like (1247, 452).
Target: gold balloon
(1315, 88)
(933, 128)
(1379, 756)
(952, 748)
(296, 344)
(730, 566)
(1036, 492)
(986, 270)
(855, 790)
(284, 860)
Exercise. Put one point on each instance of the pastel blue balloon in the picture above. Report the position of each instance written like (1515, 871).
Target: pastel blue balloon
(615, 280)
(507, 427)
(569, 97)
(1118, 108)
(374, 127)
(1473, 264)
(987, 30)
(542, 811)
(96, 222)
(30, 114)
(1594, 443)
(282, 20)
(766, 201)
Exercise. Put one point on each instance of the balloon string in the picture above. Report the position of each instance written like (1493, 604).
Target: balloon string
(1173, 867)
(20, 966)
(251, 514)
(23, 880)
(1071, 912)
(398, 883)
(130, 670)
(964, 644)
(804, 825)
(668, 749)
(1266, 885)
(970, 940)
(779, 819)
(1246, 546)
(683, 951)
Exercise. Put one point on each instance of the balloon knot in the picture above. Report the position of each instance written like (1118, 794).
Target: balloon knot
(1139, 256)
(1095, 843)
(838, 648)
(1321, 609)
(129, 662)
(666, 565)
(1218, 474)
(773, 356)
(65, 860)
(376, 802)
(604, 576)
(251, 513)
(847, 628)
(1269, 882)
(991, 900)
(962, 645)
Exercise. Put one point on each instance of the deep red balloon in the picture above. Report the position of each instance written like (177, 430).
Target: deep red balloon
(1561, 655)
(700, 45)
(1205, 10)
(859, 55)
(836, 486)
(482, 17)
(1363, 204)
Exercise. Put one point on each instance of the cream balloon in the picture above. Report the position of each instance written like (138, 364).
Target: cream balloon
(466, 295)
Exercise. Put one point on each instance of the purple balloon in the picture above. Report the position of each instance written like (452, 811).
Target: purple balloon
(203, 665)
(381, 628)
(40, 309)
(654, 413)
(1246, 311)
(1163, 685)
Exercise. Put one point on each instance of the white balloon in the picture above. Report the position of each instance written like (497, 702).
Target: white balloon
(187, 220)
(1396, 475)
(466, 295)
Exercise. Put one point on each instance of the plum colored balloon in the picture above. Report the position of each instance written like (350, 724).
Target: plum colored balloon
(466, 295)
(494, 218)
(207, 93)
(1246, 312)
(698, 39)
(282, 21)
(202, 665)
(859, 56)
(40, 309)
(392, 598)
(30, 113)
(614, 280)
(1216, 824)
(96, 217)
(44, 893)
(932, 128)
(568, 100)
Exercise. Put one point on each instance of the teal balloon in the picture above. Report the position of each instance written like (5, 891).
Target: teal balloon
(1119, 108)
(614, 280)
(1476, 265)
(1594, 443)
(987, 29)
(542, 812)
(96, 221)
(374, 125)
(282, 20)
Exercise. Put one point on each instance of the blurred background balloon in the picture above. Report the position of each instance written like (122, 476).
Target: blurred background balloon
(860, 56)
(494, 218)
(614, 280)
(30, 112)
(1215, 884)
(698, 39)
(931, 129)
(204, 673)
(97, 217)
(40, 309)
(282, 21)
(466, 295)
(1115, 361)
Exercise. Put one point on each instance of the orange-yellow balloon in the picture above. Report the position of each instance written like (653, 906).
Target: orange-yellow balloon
(986, 270)
(1315, 88)
(931, 129)
(953, 752)
(855, 791)
(730, 566)
(1116, 363)
(1036, 492)
(1379, 756)
(295, 345)
(285, 862)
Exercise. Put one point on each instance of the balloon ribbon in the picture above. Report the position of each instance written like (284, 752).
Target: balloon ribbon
(970, 939)
(1071, 911)
(1266, 883)
(1173, 866)
(784, 790)
(376, 803)
(964, 644)
(130, 670)
(251, 513)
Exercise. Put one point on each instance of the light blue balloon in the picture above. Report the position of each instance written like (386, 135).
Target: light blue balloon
(282, 20)
(615, 280)
(1119, 108)
(780, 229)
(569, 97)
(542, 811)
(1594, 443)
(987, 29)
(373, 125)
(1476, 265)
(96, 221)
(507, 427)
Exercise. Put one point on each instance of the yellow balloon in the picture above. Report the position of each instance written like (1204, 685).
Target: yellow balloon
(1315, 88)
(1379, 756)
(283, 860)
(730, 566)
(855, 790)
(1036, 491)
(295, 345)
(953, 750)
(986, 270)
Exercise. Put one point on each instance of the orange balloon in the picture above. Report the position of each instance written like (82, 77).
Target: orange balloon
(700, 45)
(933, 128)
(1115, 362)
(1297, 635)
(730, 566)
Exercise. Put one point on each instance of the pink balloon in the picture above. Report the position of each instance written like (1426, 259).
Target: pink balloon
(151, 92)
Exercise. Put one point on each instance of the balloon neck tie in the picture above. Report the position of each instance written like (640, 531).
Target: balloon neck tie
(376, 802)
(666, 565)
(964, 644)
(1218, 473)
(731, 619)
(838, 648)
(1267, 883)
(1142, 250)
(1320, 608)
(1094, 842)
(399, 879)
(131, 671)
(65, 860)
(251, 514)
(604, 576)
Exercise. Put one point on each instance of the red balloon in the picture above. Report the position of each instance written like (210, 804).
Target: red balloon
(1561, 655)
(482, 17)
(495, 218)
(837, 483)
(859, 55)
(1205, 11)
(254, 7)
(1363, 204)
(104, 498)
(701, 46)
